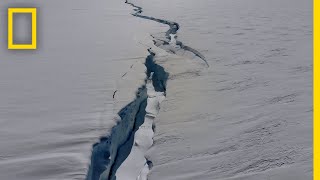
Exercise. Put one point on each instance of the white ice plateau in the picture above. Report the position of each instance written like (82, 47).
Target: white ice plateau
(159, 90)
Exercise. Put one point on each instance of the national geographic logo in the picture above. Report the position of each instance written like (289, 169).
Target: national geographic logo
(22, 28)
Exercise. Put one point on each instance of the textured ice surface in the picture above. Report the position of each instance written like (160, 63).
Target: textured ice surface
(249, 115)
(57, 101)
(246, 116)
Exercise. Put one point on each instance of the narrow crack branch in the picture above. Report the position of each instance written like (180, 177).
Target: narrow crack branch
(173, 29)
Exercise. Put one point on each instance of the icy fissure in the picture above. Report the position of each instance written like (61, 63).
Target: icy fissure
(134, 165)
(122, 154)
(134, 127)
(105, 152)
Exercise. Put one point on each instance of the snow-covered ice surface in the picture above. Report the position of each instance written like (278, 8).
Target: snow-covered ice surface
(57, 101)
(238, 96)
(249, 115)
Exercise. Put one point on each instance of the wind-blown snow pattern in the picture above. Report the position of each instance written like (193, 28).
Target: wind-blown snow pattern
(58, 100)
(111, 94)
(249, 115)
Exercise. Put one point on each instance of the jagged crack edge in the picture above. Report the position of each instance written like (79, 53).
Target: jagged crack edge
(159, 79)
(105, 151)
(106, 157)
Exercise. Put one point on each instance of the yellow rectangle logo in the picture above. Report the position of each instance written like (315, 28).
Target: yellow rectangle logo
(33, 12)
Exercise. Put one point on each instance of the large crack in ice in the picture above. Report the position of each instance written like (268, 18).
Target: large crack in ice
(131, 163)
(134, 120)
(104, 153)
(137, 166)
(169, 42)
(122, 154)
